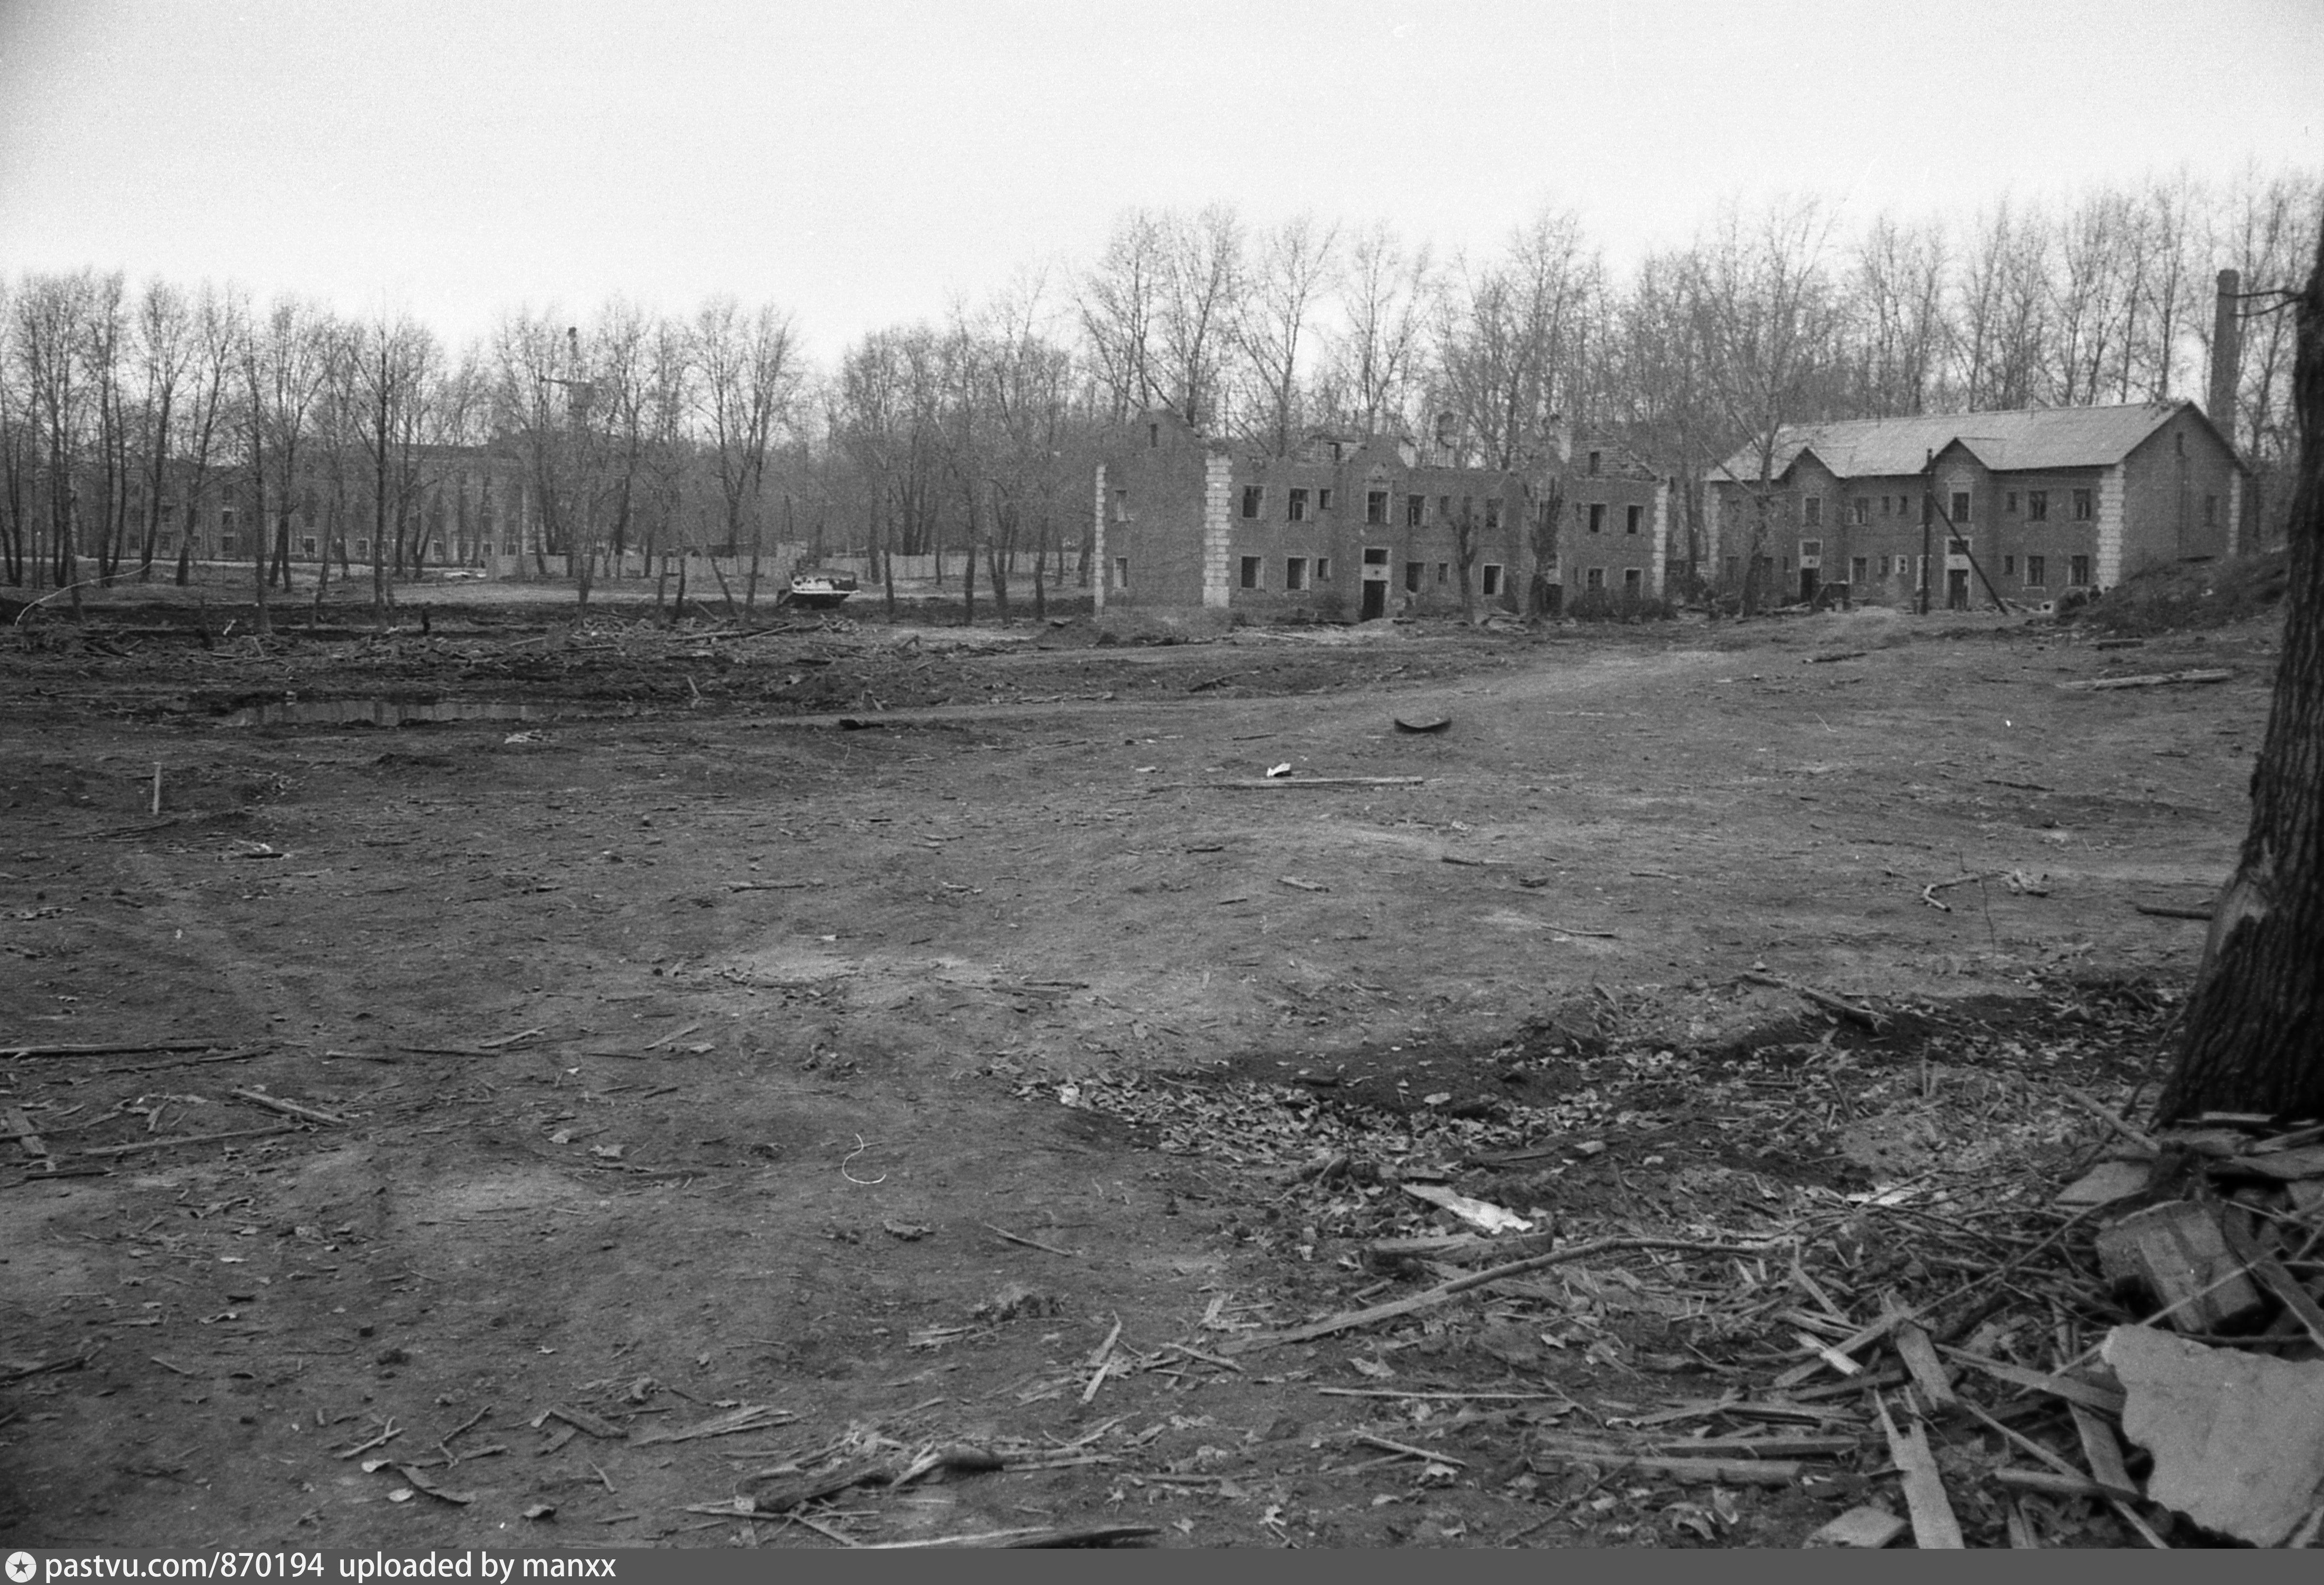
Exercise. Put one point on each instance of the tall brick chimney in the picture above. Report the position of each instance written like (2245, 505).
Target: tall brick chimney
(2227, 354)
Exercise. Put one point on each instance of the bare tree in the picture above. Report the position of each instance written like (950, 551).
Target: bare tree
(1509, 339)
(1373, 369)
(1202, 285)
(1762, 308)
(748, 379)
(1119, 299)
(165, 351)
(1291, 266)
(393, 359)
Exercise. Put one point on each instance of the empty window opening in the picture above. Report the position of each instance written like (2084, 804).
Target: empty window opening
(1632, 516)
(1153, 435)
(1323, 498)
(2037, 571)
(1596, 579)
(1597, 517)
(1297, 507)
(1634, 581)
(1294, 572)
(2081, 506)
(1444, 509)
(2010, 505)
(1121, 572)
(2008, 565)
(1322, 569)
(2078, 570)
(1957, 548)
(1250, 572)
(1412, 571)
(1375, 556)
(1121, 506)
(1252, 494)
(1812, 511)
(1960, 506)
(2037, 506)
(1860, 510)
(1444, 570)
(1492, 511)
(1856, 570)
(306, 544)
(1596, 457)
(1493, 580)
(1375, 506)
(1415, 511)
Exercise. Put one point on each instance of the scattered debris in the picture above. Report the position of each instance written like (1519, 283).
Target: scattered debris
(1430, 723)
(2151, 680)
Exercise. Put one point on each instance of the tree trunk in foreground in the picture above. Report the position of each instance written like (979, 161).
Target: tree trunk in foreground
(2255, 1038)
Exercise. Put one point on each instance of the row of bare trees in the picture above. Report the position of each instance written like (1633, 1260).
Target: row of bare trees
(125, 416)
(631, 431)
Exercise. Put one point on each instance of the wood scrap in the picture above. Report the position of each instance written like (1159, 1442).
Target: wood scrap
(2154, 679)
(109, 1048)
(2143, 1140)
(1920, 1358)
(2074, 1389)
(1388, 1445)
(1028, 1243)
(21, 1129)
(421, 1482)
(2263, 1263)
(2165, 911)
(1823, 998)
(1349, 1321)
(783, 1498)
(2177, 1252)
(145, 1145)
(596, 1425)
(1934, 1527)
(748, 1417)
(288, 1108)
(1845, 1347)
(1457, 1248)
(1694, 1470)
(1312, 781)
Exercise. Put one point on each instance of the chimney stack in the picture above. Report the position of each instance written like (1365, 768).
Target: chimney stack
(2227, 354)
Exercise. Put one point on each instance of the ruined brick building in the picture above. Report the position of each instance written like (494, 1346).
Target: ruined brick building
(2026, 506)
(1353, 527)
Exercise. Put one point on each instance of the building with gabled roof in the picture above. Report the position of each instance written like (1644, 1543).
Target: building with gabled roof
(2024, 506)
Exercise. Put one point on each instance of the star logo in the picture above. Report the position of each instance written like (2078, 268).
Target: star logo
(21, 1567)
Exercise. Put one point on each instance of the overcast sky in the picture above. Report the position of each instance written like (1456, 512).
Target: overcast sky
(865, 163)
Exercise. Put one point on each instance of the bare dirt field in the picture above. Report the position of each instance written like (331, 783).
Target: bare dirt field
(668, 1085)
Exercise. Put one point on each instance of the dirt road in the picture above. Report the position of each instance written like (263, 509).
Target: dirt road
(852, 1025)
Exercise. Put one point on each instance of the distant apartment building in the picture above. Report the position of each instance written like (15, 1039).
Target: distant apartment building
(2026, 505)
(1357, 527)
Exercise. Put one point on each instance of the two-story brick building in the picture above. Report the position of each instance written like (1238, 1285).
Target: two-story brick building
(2026, 505)
(1353, 527)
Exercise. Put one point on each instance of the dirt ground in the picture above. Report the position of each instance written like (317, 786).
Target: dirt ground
(844, 1041)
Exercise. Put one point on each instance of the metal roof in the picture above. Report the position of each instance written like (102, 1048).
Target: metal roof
(2027, 438)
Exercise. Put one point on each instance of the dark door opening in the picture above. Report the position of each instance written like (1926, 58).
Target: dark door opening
(1808, 581)
(1957, 589)
(1375, 599)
